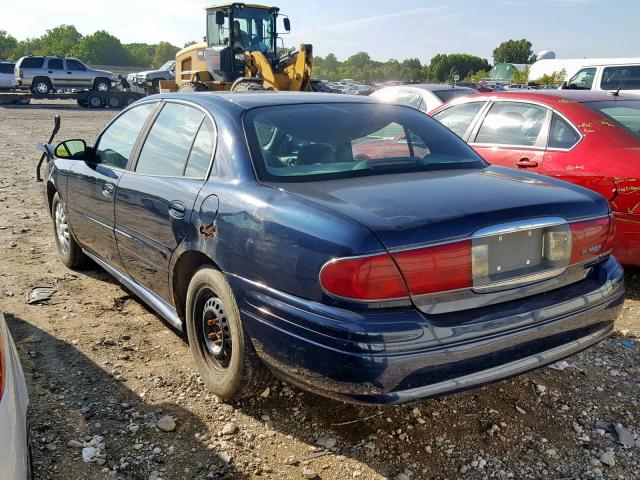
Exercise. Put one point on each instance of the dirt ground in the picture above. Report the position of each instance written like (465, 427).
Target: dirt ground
(99, 364)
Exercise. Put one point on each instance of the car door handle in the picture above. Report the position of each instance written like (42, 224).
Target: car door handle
(525, 163)
(177, 209)
(50, 71)
(107, 190)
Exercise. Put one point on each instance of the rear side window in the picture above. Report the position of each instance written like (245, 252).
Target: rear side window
(116, 142)
(55, 64)
(562, 135)
(624, 78)
(512, 123)
(75, 65)
(459, 118)
(32, 62)
(167, 147)
(201, 152)
(6, 68)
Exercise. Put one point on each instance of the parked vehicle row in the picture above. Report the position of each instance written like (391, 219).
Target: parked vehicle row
(304, 246)
(421, 96)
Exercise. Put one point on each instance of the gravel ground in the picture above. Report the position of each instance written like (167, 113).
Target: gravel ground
(114, 393)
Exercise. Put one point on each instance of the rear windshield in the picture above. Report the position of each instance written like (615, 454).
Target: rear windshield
(6, 67)
(32, 62)
(446, 95)
(315, 142)
(625, 112)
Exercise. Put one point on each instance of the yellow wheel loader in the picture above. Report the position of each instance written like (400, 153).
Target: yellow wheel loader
(240, 54)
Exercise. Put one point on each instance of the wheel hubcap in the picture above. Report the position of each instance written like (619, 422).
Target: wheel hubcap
(215, 329)
(103, 87)
(62, 228)
(42, 87)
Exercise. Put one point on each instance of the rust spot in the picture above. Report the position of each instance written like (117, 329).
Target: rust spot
(207, 232)
(606, 124)
(566, 100)
(575, 167)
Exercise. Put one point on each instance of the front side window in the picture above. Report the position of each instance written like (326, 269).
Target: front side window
(626, 113)
(562, 134)
(166, 148)
(583, 80)
(316, 142)
(512, 123)
(459, 118)
(624, 78)
(75, 65)
(114, 146)
(55, 64)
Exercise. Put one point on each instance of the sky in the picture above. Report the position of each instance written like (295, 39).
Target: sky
(385, 29)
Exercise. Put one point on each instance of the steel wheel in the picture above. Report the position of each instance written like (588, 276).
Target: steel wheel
(62, 228)
(215, 329)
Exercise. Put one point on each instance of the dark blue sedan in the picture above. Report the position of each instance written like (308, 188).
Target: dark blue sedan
(358, 250)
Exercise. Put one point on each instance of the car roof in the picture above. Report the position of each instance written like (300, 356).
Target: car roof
(557, 96)
(431, 87)
(247, 100)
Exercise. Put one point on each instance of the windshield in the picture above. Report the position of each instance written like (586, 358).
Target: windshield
(315, 142)
(624, 112)
(446, 95)
(252, 29)
(167, 66)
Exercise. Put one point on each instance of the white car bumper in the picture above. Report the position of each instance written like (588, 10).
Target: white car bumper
(14, 451)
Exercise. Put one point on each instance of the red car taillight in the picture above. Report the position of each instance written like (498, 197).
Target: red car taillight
(451, 266)
(437, 269)
(368, 278)
(591, 238)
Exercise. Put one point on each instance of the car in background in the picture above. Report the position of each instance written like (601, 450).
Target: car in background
(15, 460)
(421, 96)
(244, 219)
(7, 78)
(149, 80)
(585, 137)
(43, 75)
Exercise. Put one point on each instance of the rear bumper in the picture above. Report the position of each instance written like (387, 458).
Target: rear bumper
(401, 355)
(626, 246)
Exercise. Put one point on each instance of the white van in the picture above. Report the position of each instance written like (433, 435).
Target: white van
(609, 74)
(7, 79)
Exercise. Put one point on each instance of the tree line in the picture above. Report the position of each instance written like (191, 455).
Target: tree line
(99, 48)
(102, 48)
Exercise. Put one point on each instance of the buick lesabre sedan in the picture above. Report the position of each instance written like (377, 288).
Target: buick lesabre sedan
(247, 221)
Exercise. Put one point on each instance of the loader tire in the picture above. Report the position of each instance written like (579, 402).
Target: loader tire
(191, 87)
(247, 85)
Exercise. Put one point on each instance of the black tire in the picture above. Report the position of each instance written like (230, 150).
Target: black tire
(221, 347)
(247, 85)
(114, 100)
(129, 99)
(41, 86)
(191, 87)
(94, 101)
(155, 85)
(102, 85)
(318, 86)
(82, 103)
(69, 251)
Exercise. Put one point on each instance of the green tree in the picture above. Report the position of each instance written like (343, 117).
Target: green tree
(164, 52)
(330, 63)
(140, 54)
(59, 40)
(555, 78)
(444, 67)
(514, 51)
(101, 48)
(189, 43)
(476, 77)
(521, 75)
(7, 44)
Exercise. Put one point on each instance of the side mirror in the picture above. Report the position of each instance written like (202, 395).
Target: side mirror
(287, 24)
(220, 17)
(71, 149)
(564, 85)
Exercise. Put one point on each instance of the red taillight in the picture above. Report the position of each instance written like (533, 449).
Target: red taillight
(437, 269)
(591, 239)
(369, 278)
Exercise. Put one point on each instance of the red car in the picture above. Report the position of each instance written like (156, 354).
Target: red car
(586, 137)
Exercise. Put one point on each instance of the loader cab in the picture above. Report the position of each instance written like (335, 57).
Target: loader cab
(235, 28)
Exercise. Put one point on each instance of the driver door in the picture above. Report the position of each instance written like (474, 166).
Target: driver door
(91, 185)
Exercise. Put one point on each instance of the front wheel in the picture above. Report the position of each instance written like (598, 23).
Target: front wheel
(68, 249)
(221, 348)
(102, 85)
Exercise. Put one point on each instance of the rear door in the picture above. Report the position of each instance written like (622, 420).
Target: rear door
(512, 134)
(56, 72)
(155, 198)
(91, 186)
